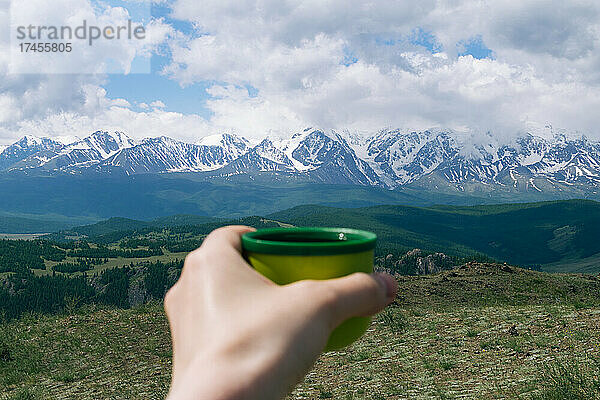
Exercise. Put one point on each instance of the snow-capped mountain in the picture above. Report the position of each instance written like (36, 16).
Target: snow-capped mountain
(401, 157)
(97, 147)
(405, 157)
(261, 158)
(389, 158)
(330, 159)
(27, 146)
(311, 153)
(163, 154)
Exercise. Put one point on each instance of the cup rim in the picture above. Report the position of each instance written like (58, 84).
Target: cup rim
(356, 241)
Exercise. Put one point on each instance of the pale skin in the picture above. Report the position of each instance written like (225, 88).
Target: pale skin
(238, 336)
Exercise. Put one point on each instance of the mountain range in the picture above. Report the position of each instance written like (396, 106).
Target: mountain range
(435, 159)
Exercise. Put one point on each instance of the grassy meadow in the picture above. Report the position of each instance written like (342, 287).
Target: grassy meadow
(483, 331)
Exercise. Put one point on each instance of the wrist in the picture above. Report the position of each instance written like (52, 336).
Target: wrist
(218, 377)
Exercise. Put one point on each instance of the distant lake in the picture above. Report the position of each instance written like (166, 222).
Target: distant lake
(21, 236)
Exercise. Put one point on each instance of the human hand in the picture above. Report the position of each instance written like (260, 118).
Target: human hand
(237, 335)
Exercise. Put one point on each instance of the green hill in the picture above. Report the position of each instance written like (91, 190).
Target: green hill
(119, 224)
(117, 227)
(482, 331)
(558, 236)
(149, 196)
(114, 224)
(525, 234)
(182, 220)
(15, 223)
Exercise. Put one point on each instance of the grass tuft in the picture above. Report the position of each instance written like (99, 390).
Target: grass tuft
(394, 319)
(570, 379)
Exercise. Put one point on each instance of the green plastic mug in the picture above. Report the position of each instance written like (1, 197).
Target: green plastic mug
(286, 255)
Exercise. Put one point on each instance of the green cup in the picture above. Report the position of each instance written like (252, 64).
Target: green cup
(286, 255)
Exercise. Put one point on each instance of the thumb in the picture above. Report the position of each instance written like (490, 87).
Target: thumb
(359, 294)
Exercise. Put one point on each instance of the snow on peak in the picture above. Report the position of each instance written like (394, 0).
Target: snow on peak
(267, 150)
(67, 139)
(100, 145)
(392, 156)
(122, 139)
(29, 141)
(222, 139)
(212, 140)
(32, 140)
(118, 138)
(288, 146)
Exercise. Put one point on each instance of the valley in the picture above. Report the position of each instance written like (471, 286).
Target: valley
(466, 324)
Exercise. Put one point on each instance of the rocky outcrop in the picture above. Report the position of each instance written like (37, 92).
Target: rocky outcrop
(416, 262)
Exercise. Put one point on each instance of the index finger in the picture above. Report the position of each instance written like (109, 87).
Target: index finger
(227, 236)
(223, 248)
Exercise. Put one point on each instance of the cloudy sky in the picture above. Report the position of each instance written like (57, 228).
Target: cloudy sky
(271, 67)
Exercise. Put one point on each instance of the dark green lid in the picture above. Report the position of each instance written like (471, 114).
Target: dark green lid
(308, 241)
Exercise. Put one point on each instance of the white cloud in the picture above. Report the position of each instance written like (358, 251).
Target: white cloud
(546, 61)
(157, 104)
(235, 111)
(111, 115)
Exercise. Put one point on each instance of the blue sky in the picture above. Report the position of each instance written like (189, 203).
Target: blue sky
(147, 88)
(475, 47)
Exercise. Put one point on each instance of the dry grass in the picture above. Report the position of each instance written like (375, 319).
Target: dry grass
(452, 339)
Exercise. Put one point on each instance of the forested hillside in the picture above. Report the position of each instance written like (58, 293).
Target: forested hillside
(123, 262)
(119, 262)
(528, 234)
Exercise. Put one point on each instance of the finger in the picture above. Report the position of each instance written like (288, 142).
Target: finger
(227, 236)
(358, 294)
(221, 253)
